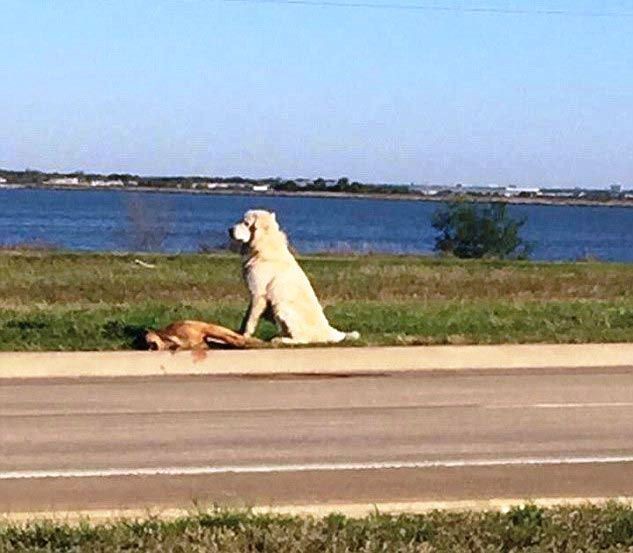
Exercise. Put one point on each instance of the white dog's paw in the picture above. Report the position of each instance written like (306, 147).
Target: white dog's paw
(288, 341)
(283, 341)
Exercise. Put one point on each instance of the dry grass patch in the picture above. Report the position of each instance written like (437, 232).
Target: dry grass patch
(56, 277)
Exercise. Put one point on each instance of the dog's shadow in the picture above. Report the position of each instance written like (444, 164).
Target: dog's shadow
(136, 336)
(130, 334)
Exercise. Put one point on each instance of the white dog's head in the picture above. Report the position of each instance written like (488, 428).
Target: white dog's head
(257, 226)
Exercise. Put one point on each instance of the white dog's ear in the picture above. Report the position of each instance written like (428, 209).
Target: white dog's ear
(267, 221)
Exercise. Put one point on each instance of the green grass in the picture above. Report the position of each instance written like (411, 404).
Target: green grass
(530, 529)
(62, 301)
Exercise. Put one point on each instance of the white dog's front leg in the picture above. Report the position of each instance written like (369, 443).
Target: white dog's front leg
(255, 310)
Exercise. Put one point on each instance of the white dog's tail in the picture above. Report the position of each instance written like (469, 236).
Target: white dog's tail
(339, 336)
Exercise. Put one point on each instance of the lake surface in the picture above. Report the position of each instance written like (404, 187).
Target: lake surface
(103, 220)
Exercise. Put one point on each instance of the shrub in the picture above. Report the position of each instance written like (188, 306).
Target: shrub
(148, 222)
(471, 230)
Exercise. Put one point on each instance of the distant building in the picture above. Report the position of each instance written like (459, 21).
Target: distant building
(106, 183)
(615, 190)
(512, 191)
(486, 190)
(64, 181)
(2, 180)
(261, 188)
(214, 185)
(560, 193)
(493, 190)
(425, 190)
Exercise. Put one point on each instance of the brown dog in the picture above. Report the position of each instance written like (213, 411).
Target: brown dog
(196, 335)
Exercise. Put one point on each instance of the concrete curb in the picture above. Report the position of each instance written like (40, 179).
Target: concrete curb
(319, 360)
(315, 510)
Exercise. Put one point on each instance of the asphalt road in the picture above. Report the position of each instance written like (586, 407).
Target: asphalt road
(448, 435)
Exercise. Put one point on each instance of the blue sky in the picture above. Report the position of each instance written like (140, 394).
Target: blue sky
(223, 88)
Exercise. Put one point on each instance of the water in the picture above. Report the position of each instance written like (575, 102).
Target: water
(102, 220)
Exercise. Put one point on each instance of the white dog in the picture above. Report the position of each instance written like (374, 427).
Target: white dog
(275, 280)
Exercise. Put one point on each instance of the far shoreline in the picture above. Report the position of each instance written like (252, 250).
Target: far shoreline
(547, 201)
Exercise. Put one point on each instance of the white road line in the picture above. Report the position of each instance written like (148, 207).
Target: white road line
(33, 413)
(563, 405)
(268, 469)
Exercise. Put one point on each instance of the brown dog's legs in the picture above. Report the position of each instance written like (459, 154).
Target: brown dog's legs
(226, 336)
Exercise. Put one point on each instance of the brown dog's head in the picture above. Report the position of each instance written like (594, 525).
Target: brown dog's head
(154, 341)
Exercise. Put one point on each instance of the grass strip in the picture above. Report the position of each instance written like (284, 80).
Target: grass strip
(61, 301)
(529, 528)
(104, 327)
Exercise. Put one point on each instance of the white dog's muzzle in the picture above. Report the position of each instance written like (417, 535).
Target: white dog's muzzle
(240, 232)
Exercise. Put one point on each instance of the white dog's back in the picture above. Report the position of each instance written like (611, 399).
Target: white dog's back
(297, 308)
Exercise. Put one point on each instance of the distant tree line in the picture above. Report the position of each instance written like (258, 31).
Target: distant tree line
(320, 185)
(32, 176)
(342, 185)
